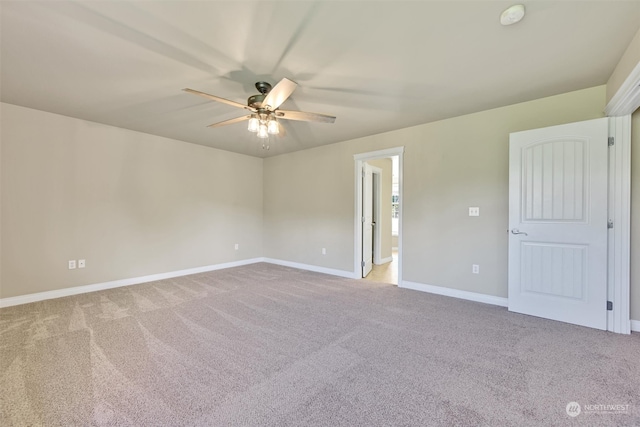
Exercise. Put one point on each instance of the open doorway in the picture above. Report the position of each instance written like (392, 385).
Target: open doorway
(378, 216)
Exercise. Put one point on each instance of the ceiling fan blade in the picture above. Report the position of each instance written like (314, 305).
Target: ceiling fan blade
(230, 122)
(305, 117)
(279, 93)
(217, 98)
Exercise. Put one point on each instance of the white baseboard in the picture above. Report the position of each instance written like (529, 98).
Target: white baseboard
(384, 260)
(315, 268)
(58, 293)
(456, 293)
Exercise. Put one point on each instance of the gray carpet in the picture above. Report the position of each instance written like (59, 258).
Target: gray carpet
(264, 345)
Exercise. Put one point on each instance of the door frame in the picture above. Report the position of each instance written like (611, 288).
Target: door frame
(619, 242)
(360, 159)
(619, 109)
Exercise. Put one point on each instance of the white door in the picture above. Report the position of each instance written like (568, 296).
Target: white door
(367, 220)
(558, 223)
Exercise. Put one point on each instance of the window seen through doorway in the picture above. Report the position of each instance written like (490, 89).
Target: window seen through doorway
(395, 196)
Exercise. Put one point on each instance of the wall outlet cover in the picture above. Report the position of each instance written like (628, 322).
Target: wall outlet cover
(81, 263)
(474, 211)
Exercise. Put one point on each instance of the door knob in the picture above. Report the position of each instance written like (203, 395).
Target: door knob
(516, 231)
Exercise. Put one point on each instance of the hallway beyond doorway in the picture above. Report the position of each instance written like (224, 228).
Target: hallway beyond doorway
(385, 273)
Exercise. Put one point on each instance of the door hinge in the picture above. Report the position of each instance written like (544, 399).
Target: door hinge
(362, 264)
(364, 174)
(609, 305)
(612, 141)
(362, 220)
(610, 224)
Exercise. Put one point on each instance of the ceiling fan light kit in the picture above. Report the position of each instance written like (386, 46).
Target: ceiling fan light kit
(254, 123)
(264, 109)
(263, 124)
(272, 126)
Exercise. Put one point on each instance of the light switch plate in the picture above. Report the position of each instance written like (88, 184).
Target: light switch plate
(72, 264)
(474, 211)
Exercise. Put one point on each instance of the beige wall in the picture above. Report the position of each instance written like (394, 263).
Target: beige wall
(309, 199)
(626, 65)
(385, 205)
(448, 166)
(635, 216)
(129, 203)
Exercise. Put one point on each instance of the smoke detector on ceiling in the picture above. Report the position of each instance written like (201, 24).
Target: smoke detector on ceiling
(512, 15)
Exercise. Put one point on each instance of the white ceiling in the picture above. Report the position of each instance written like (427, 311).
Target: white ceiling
(376, 65)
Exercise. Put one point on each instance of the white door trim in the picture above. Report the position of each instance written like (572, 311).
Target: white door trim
(618, 319)
(619, 109)
(627, 99)
(359, 160)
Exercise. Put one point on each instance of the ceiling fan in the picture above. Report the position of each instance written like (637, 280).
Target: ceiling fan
(265, 108)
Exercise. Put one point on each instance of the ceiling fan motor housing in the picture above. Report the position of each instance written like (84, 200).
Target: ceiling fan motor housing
(255, 101)
(263, 87)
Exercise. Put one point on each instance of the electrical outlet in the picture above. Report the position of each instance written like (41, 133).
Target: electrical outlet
(81, 263)
(475, 269)
(324, 251)
(72, 264)
(237, 246)
(474, 211)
